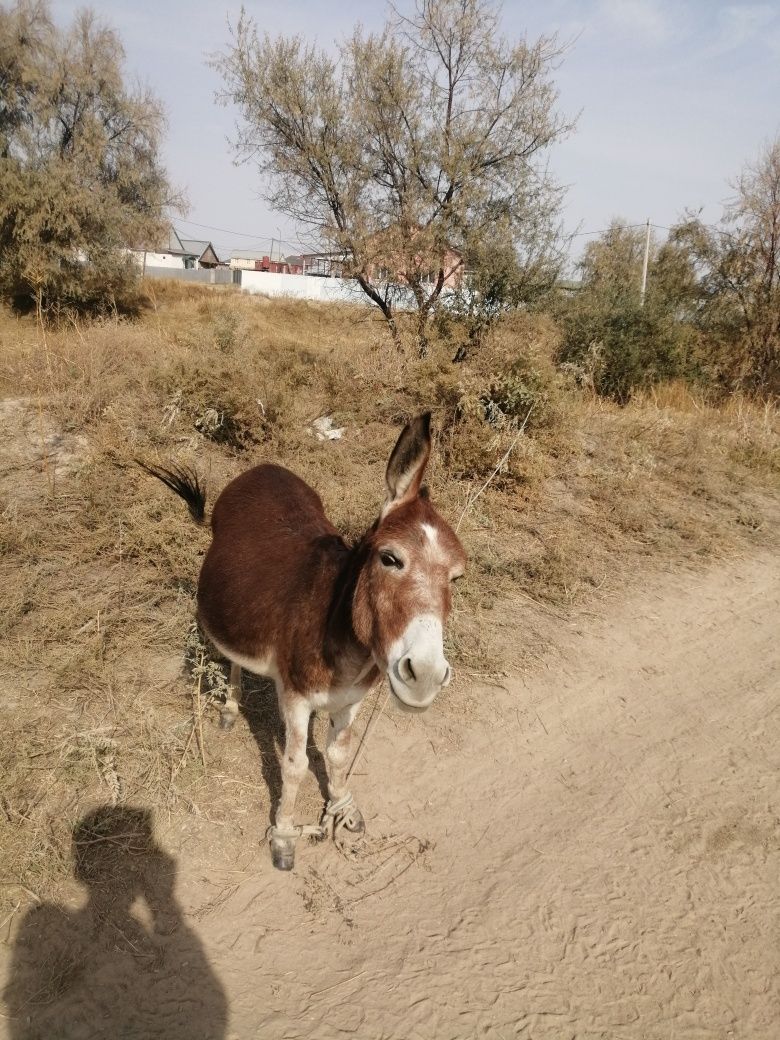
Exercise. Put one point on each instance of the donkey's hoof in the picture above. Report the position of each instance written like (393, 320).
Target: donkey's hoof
(349, 830)
(283, 853)
(354, 822)
(342, 815)
(227, 720)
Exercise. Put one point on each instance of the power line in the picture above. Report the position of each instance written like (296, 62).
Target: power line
(613, 227)
(241, 234)
(258, 239)
(227, 231)
(295, 245)
(625, 227)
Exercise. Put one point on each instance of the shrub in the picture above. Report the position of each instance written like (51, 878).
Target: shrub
(522, 395)
(624, 348)
(80, 172)
(615, 342)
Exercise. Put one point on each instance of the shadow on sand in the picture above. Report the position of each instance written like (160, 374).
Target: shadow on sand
(126, 965)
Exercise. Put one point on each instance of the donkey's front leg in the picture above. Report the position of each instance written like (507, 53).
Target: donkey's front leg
(341, 808)
(296, 712)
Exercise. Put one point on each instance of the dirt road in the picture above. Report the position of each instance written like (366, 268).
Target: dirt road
(596, 856)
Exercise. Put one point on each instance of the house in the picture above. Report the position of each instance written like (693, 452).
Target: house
(336, 264)
(201, 252)
(388, 265)
(390, 248)
(454, 273)
(324, 264)
(252, 260)
(176, 252)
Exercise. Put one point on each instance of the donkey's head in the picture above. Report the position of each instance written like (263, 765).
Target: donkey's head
(403, 593)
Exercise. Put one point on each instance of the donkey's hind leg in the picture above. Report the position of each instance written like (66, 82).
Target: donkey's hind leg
(233, 700)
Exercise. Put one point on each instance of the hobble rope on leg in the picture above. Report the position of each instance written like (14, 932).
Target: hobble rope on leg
(342, 815)
(295, 832)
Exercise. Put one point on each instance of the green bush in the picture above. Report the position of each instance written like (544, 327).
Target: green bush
(622, 348)
(523, 394)
(612, 341)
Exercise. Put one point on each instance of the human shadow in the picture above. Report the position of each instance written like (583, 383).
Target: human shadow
(126, 965)
(260, 708)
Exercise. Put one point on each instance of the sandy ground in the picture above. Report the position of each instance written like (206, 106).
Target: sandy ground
(595, 855)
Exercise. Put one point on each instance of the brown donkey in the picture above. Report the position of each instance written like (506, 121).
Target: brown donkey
(282, 595)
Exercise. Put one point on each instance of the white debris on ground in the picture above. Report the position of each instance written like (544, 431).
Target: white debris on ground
(324, 430)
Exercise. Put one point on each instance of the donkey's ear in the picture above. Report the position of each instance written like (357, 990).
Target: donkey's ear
(408, 461)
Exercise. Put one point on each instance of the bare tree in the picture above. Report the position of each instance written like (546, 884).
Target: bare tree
(737, 267)
(403, 150)
(80, 176)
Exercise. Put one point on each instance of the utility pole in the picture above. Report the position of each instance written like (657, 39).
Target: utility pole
(644, 266)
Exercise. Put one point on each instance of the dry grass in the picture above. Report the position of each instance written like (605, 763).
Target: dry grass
(98, 565)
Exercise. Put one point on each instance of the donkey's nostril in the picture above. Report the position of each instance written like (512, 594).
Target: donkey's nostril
(406, 671)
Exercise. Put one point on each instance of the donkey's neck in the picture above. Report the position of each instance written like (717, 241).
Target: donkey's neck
(350, 659)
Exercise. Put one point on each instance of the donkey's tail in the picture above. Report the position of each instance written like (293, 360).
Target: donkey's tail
(184, 482)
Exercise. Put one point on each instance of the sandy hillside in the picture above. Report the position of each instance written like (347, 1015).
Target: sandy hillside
(597, 856)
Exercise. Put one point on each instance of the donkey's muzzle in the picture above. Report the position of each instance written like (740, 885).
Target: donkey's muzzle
(412, 698)
(418, 669)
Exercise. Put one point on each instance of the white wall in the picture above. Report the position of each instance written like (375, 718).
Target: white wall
(327, 290)
(302, 287)
(156, 259)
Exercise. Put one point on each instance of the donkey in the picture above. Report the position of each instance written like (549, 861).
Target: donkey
(281, 594)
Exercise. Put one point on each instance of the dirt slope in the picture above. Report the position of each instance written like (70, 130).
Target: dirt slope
(598, 857)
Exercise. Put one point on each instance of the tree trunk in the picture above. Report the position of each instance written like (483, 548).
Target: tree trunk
(394, 331)
(422, 334)
(424, 311)
(385, 307)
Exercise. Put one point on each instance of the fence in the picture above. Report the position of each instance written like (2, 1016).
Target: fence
(302, 287)
(297, 287)
(291, 286)
(204, 275)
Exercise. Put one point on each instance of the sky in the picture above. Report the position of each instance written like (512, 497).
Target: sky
(672, 99)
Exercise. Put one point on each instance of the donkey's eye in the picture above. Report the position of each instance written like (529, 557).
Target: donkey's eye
(389, 560)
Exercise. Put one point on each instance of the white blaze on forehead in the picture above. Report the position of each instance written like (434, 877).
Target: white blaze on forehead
(433, 548)
(430, 533)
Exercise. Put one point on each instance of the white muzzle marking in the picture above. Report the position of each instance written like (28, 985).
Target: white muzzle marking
(417, 668)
